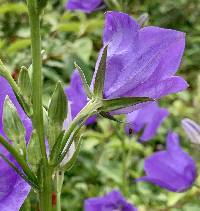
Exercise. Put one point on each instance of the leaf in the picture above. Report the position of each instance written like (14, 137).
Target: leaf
(13, 125)
(33, 151)
(24, 83)
(100, 75)
(84, 81)
(119, 103)
(110, 117)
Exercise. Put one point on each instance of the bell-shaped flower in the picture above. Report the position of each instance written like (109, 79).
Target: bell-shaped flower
(141, 62)
(13, 188)
(86, 6)
(77, 97)
(172, 169)
(110, 202)
(147, 120)
(192, 129)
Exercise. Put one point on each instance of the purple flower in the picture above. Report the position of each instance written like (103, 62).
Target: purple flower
(77, 97)
(141, 62)
(86, 6)
(13, 189)
(192, 129)
(172, 169)
(148, 119)
(110, 202)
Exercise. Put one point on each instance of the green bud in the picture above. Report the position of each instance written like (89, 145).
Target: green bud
(13, 125)
(57, 113)
(33, 151)
(24, 84)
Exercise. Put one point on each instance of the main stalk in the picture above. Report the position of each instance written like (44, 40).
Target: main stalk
(37, 119)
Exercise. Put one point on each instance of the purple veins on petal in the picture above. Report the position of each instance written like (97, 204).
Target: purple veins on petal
(172, 169)
(13, 189)
(148, 119)
(141, 62)
(110, 202)
(86, 6)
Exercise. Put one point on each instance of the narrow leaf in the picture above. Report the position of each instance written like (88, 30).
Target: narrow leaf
(124, 102)
(84, 81)
(100, 75)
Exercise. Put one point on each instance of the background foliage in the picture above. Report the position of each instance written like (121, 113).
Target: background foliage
(108, 155)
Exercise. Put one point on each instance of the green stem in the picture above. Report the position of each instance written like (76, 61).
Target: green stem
(34, 19)
(45, 193)
(45, 177)
(59, 184)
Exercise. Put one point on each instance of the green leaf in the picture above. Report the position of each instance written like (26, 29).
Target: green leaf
(41, 4)
(24, 83)
(57, 113)
(100, 75)
(33, 151)
(84, 81)
(124, 102)
(13, 125)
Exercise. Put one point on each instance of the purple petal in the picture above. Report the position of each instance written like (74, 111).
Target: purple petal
(148, 118)
(172, 169)
(13, 189)
(77, 97)
(86, 6)
(154, 90)
(141, 61)
(112, 201)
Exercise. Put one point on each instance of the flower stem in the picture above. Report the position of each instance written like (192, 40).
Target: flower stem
(34, 19)
(59, 184)
(45, 175)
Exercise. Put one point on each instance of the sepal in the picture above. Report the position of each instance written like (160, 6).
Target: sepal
(120, 103)
(33, 151)
(100, 75)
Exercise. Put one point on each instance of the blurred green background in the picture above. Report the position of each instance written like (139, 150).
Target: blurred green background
(108, 155)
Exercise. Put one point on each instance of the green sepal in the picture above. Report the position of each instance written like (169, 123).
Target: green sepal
(33, 151)
(84, 81)
(120, 103)
(108, 116)
(56, 148)
(24, 84)
(100, 75)
(74, 157)
(57, 113)
(13, 126)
